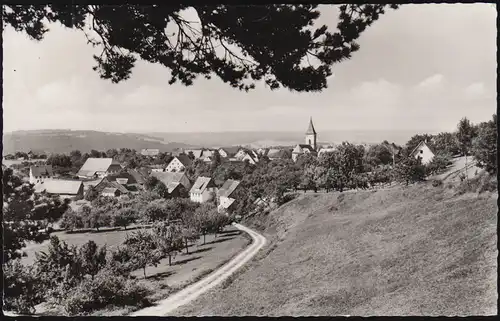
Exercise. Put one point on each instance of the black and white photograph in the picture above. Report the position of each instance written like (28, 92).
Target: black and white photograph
(249, 159)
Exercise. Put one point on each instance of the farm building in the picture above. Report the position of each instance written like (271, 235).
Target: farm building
(99, 167)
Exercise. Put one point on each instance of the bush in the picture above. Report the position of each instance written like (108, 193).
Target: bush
(22, 290)
(480, 183)
(438, 164)
(106, 289)
(437, 182)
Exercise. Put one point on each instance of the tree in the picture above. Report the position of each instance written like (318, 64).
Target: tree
(130, 31)
(93, 258)
(22, 288)
(379, 154)
(446, 143)
(169, 238)
(124, 217)
(91, 194)
(71, 220)
(484, 146)
(22, 221)
(203, 218)
(143, 249)
(410, 170)
(465, 134)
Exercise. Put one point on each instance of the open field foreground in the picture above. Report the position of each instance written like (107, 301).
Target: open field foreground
(164, 279)
(418, 250)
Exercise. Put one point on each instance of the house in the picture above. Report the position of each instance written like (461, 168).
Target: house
(172, 179)
(70, 189)
(40, 173)
(140, 175)
(228, 152)
(105, 186)
(203, 190)
(246, 154)
(423, 152)
(225, 195)
(127, 179)
(178, 164)
(302, 149)
(99, 167)
(274, 154)
(150, 152)
(111, 192)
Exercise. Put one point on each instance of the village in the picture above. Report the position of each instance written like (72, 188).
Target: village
(109, 178)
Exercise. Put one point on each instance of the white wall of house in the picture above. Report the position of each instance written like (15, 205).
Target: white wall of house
(175, 165)
(207, 195)
(222, 153)
(37, 179)
(425, 153)
(249, 158)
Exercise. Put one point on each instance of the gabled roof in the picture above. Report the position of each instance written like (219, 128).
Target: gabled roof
(45, 170)
(59, 186)
(201, 184)
(168, 177)
(310, 129)
(105, 183)
(184, 159)
(300, 147)
(139, 175)
(422, 143)
(93, 165)
(228, 188)
(130, 178)
(279, 153)
(109, 190)
(172, 186)
(231, 151)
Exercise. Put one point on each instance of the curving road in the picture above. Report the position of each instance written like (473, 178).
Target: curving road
(193, 291)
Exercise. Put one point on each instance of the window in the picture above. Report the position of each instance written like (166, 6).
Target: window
(309, 142)
(421, 151)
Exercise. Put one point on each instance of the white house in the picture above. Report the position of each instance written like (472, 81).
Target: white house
(40, 173)
(423, 152)
(203, 190)
(225, 195)
(178, 163)
(99, 167)
(302, 149)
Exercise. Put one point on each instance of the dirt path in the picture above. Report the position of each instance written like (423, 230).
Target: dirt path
(193, 291)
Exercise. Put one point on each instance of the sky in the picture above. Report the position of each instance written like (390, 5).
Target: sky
(421, 67)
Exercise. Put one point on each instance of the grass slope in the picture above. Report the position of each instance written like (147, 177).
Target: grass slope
(419, 250)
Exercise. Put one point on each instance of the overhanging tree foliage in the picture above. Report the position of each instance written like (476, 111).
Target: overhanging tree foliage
(276, 42)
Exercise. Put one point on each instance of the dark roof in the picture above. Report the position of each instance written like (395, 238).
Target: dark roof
(129, 177)
(105, 183)
(310, 129)
(184, 159)
(45, 170)
(305, 146)
(231, 151)
(168, 177)
(228, 188)
(201, 184)
(139, 175)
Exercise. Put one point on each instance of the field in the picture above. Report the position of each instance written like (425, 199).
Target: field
(163, 279)
(417, 250)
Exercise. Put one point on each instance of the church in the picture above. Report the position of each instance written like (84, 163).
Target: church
(311, 143)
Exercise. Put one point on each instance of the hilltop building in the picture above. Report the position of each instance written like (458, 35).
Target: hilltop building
(311, 143)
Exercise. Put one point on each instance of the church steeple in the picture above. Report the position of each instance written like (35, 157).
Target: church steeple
(310, 130)
(311, 135)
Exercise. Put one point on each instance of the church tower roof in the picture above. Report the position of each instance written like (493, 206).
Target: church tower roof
(311, 130)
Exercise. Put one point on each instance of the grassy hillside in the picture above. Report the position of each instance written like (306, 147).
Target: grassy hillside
(64, 141)
(418, 250)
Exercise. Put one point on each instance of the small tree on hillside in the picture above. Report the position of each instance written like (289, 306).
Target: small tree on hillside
(203, 216)
(169, 239)
(465, 134)
(484, 147)
(93, 258)
(410, 170)
(143, 249)
(22, 288)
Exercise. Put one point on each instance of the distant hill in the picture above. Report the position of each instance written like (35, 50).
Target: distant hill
(64, 141)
